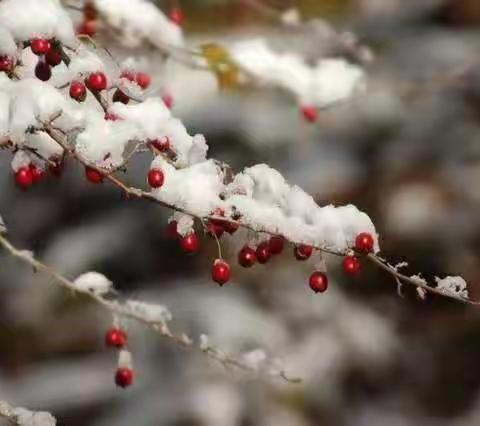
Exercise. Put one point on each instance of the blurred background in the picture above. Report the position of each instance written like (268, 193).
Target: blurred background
(407, 152)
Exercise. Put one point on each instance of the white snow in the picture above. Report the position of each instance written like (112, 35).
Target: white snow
(93, 282)
(140, 20)
(154, 313)
(329, 81)
(455, 286)
(27, 19)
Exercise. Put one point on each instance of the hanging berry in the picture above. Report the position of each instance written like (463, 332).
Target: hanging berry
(276, 244)
(189, 242)
(93, 175)
(303, 252)
(97, 81)
(24, 177)
(364, 242)
(115, 338)
(263, 252)
(220, 271)
(40, 46)
(78, 91)
(318, 282)
(124, 377)
(247, 257)
(351, 265)
(155, 178)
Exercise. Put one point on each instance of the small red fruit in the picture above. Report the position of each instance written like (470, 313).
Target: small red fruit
(276, 244)
(318, 282)
(247, 257)
(53, 57)
(97, 81)
(119, 96)
(309, 113)
(93, 175)
(263, 252)
(189, 243)
(124, 377)
(6, 63)
(172, 231)
(220, 271)
(40, 46)
(162, 144)
(143, 79)
(43, 71)
(364, 242)
(24, 177)
(215, 228)
(89, 10)
(351, 265)
(303, 252)
(37, 173)
(231, 227)
(115, 338)
(87, 28)
(78, 91)
(176, 16)
(156, 178)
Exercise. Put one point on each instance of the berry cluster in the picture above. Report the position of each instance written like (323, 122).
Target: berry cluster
(117, 338)
(88, 26)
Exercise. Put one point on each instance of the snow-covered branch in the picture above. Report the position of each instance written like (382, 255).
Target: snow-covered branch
(23, 417)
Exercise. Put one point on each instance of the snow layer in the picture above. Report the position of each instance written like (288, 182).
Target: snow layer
(329, 81)
(27, 19)
(138, 20)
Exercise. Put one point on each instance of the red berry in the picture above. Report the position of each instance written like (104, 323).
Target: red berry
(231, 227)
(115, 338)
(37, 173)
(176, 16)
(87, 28)
(276, 244)
(220, 271)
(93, 175)
(43, 71)
(162, 144)
(172, 231)
(124, 377)
(53, 57)
(309, 113)
(142, 79)
(189, 242)
(128, 75)
(364, 242)
(318, 282)
(97, 81)
(263, 252)
(247, 257)
(351, 265)
(6, 63)
(168, 101)
(303, 252)
(24, 177)
(155, 178)
(40, 46)
(215, 228)
(119, 96)
(78, 91)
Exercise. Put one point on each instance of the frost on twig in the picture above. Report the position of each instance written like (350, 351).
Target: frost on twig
(153, 316)
(24, 417)
(456, 286)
